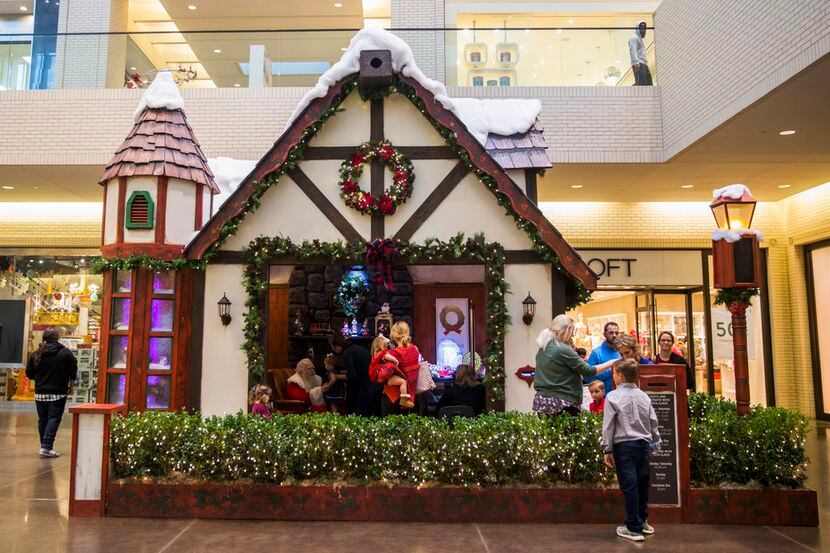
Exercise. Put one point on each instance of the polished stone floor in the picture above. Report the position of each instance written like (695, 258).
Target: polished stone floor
(34, 506)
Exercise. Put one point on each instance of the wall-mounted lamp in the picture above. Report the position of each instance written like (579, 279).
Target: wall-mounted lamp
(528, 309)
(225, 310)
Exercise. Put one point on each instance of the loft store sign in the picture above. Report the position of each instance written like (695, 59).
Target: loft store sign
(645, 267)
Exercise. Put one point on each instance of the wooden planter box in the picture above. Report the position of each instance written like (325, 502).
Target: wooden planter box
(446, 504)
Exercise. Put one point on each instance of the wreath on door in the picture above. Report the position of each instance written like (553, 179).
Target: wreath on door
(402, 178)
(459, 319)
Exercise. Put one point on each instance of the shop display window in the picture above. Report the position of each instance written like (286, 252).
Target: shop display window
(116, 388)
(161, 315)
(158, 392)
(118, 349)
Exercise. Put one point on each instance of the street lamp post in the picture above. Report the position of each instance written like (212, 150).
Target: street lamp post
(737, 273)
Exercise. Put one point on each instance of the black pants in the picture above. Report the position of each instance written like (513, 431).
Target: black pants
(49, 415)
(643, 76)
(631, 463)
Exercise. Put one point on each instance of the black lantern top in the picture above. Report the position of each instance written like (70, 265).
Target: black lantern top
(529, 305)
(224, 305)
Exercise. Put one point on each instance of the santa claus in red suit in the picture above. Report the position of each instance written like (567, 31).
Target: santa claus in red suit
(304, 385)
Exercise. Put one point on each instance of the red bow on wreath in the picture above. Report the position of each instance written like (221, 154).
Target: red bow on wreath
(381, 256)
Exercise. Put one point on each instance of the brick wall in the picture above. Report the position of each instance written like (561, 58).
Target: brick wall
(427, 46)
(582, 124)
(717, 57)
(47, 225)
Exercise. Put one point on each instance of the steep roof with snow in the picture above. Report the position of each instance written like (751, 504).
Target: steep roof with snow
(161, 141)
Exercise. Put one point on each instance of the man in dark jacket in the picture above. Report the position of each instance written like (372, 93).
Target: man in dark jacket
(54, 369)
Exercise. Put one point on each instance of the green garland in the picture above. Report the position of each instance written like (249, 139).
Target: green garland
(726, 296)
(134, 261)
(351, 294)
(263, 251)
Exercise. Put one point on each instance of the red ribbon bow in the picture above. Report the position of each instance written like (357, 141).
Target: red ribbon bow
(381, 256)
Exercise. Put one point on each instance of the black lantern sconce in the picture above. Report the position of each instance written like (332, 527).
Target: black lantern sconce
(225, 310)
(528, 309)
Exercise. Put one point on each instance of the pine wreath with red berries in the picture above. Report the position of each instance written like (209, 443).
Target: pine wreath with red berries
(402, 178)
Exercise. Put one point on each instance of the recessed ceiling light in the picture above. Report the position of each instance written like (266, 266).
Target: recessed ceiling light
(217, 51)
(237, 85)
(343, 49)
(787, 132)
(570, 22)
(8, 188)
(132, 69)
(576, 186)
(784, 185)
(24, 9)
(338, 5)
(191, 7)
(687, 186)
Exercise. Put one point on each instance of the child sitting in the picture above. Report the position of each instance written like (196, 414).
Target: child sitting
(384, 369)
(597, 389)
(260, 407)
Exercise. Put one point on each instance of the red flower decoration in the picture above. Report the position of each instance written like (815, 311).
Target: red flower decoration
(352, 169)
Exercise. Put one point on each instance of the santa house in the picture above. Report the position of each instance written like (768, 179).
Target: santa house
(380, 190)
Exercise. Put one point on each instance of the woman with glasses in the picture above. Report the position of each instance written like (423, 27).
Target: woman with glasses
(665, 342)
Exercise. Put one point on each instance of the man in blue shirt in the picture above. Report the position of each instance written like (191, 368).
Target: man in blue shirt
(605, 352)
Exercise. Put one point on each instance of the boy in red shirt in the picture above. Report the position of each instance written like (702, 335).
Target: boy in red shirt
(597, 389)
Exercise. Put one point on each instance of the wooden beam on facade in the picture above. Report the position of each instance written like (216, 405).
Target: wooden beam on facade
(432, 202)
(322, 203)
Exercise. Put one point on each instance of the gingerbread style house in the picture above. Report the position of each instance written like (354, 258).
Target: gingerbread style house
(378, 171)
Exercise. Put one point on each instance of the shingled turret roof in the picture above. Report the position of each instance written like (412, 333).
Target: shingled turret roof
(524, 150)
(161, 141)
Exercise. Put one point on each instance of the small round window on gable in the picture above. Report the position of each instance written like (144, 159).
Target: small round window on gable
(140, 210)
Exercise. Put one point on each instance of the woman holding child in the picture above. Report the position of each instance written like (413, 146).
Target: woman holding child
(397, 368)
(559, 370)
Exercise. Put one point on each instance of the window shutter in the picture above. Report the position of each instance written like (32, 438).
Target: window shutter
(140, 211)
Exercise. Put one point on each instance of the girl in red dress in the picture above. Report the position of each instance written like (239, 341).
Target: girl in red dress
(384, 368)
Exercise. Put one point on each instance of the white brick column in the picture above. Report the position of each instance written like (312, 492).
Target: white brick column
(428, 46)
(91, 61)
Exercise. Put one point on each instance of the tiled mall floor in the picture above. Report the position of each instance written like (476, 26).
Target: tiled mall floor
(34, 505)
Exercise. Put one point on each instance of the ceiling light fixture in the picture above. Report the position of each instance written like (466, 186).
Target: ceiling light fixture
(343, 49)
(338, 5)
(784, 185)
(132, 69)
(8, 188)
(191, 7)
(576, 186)
(24, 9)
(217, 51)
(237, 85)
(687, 186)
(787, 132)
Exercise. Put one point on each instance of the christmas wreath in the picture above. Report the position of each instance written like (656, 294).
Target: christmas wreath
(459, 319)
(402, 178)
(352, 293)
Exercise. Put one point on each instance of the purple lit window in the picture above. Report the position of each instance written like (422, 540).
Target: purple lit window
(118, 352)
(120, 313)
(123, 282)
(116, 388)
(161, 316)
(158, 392)
(161, 354)
(164, 282)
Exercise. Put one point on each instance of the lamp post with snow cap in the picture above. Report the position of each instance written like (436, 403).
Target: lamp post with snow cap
(736, 265)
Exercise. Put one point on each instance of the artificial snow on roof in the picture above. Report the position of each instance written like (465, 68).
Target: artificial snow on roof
(228, 174)
(161, 94)
(481, 117)
(735, 235)
(732, 191)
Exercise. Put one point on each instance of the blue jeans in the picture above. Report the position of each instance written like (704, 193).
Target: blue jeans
(49, 415)
(631, 463)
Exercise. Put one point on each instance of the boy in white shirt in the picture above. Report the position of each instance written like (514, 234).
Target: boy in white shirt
(629, 433)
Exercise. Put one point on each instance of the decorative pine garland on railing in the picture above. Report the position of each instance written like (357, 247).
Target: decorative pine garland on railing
(727, 296)
(575, 292)
(263, 251)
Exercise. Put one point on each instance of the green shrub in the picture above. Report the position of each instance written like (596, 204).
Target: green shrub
(496, 449)
(765, 447)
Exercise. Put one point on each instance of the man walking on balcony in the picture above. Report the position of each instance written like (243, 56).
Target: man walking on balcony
(639, 62)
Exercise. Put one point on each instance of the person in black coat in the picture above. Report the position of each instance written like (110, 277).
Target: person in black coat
(465, 390)
(362, 395)
(54, 369)
(665, 341)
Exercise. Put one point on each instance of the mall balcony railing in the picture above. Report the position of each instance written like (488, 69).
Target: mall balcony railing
(482, 57)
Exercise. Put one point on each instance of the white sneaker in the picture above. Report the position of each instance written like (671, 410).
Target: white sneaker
(51, 453)
(624, 532)
(647, 528)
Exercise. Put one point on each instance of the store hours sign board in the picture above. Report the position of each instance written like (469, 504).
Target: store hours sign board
(664, 468)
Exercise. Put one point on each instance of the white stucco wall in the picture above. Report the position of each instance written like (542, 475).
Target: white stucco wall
(472, 208)
(326, 174)
(348, 127)
(111, 222)
(224, 373)
(181, 209)
(141, 236)
(520, 340)
(207, 195)
(285, 211)
(404, 125)
(428, 175)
